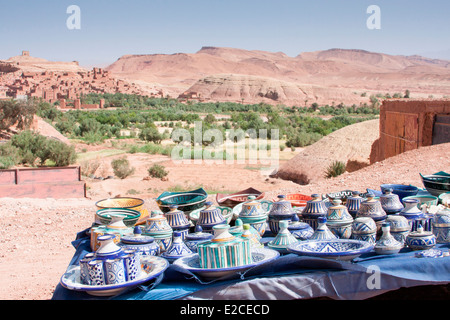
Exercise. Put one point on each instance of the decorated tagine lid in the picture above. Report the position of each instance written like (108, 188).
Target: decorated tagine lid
(411, 210)
(281, 209)
(157, 224)
(353, 202)
(398, 223)
(283, 239)
(209, 217)
(145, 245)
(251, 236)
(300, 230)
(322, 232)
(390, 202)
(177, 249)
(387, 244)
(252, 208)
(338, 214)
(224, 250)
(177, 219)
(115, 227)
(442, 218)
(372, 208)
(363, 226)
(420, 239)
(315, 207)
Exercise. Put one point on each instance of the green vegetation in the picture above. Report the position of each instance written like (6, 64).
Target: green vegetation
(32, 149)
(335, 169)
(122, 168)
(157, 171)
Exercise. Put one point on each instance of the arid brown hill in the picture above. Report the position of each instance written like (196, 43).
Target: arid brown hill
(331, 76)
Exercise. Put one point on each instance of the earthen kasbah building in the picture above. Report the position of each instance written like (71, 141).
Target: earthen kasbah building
(63, 86)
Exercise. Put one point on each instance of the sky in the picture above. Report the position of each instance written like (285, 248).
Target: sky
(110, 29)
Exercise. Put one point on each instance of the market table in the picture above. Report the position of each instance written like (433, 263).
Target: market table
(289, 277)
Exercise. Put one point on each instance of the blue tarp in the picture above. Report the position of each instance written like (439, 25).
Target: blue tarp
(288, 277)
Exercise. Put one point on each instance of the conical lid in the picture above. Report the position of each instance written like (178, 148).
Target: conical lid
(338, 213)
(137, 237)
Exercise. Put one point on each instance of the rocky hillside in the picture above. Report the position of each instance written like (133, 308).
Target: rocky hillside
(331, 76)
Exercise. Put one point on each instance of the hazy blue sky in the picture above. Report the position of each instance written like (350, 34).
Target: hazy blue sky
(110, 29)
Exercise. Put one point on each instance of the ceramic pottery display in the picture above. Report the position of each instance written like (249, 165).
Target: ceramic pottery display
(178, 221)
(281, 210)
(411, 212)
(115, 227)
(314, 209)
(400, 189)
(252, 213)
(364, 229)
(110, 264)
(399, 227)
(337, 249)
(251, 236)
(371, 208)
(390, 202)
(437, 183)
(353, 202)
(157, 227)
(322, 232)
(283, 239)
(387, 244)
(232, 200)
(186, 201)
(143, 245)
(441, 226)
(209, 217)
(177, 249)
(420, 239)
(300, 230)
(224, 250)
(339, 220)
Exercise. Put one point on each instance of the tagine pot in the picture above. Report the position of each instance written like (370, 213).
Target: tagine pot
(178, 221)
(412, 212)
(300, 230)
(177, 249)
(364, 229)
(193, 239)
(314, 209)
(252, 213)
(116, 227)
(420, 239)
(399, 227)
(209, 217)
(390, 202)
(372, 208)
(144, 245)
(251, 236)
(441, 226)
(339, 220)
(387, 244)
(281, 210)
(283, 239)
(156, 226)
(322, 232)
(353, 202)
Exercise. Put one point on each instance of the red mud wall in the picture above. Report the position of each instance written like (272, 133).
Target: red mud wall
(408, 124)
(57, 183)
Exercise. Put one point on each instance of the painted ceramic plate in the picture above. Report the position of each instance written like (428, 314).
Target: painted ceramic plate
(152, 267)
(191, 263)
(337, 249)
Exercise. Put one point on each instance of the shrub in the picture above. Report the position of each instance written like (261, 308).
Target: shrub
(335, 169)
(157, 171)
(121, 168)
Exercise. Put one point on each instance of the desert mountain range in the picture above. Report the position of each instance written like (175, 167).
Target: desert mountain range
(327, 77)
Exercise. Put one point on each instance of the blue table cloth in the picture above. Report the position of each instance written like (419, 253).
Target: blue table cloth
(288, 277)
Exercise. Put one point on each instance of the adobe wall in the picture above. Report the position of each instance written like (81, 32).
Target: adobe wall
(405, 125)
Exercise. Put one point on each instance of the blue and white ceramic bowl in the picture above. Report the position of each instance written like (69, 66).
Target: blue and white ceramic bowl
(337, 249)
